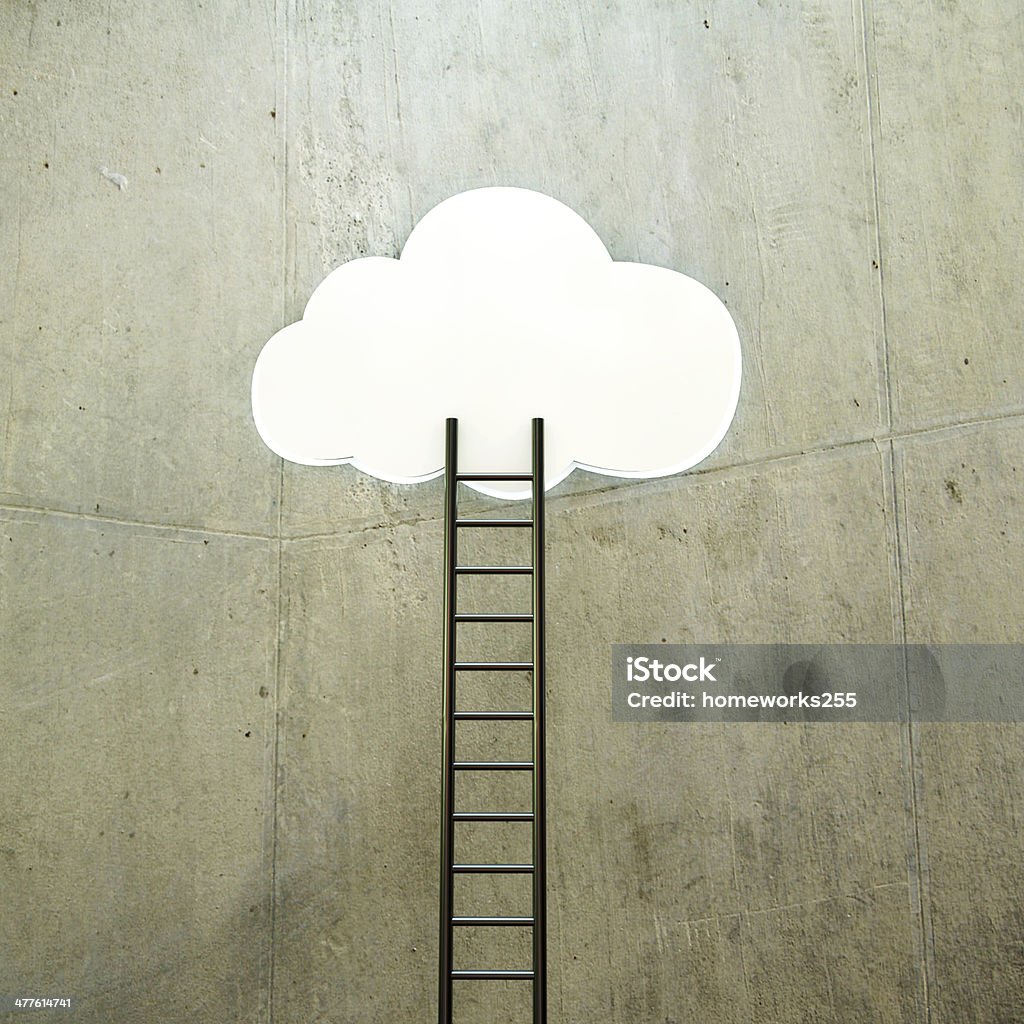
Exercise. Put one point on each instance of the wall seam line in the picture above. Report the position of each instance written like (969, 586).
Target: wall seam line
(622, 485)
(913, 767)
(281, 107)
(275, 755)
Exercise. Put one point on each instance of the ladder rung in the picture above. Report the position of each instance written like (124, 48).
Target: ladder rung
(493, 766)
(493, 476)
(494, 570)
(494, 666)
(495, 922)
(493, 816)
(494, 522)
(492, 869)
(493, 716)
(495, 975)
(489, 617)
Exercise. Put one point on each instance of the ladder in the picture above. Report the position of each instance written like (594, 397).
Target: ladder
(452, 768)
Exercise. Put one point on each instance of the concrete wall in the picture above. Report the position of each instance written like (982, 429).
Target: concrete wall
(219, 674)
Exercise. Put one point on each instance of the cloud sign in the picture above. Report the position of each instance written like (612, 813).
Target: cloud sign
(504, 305)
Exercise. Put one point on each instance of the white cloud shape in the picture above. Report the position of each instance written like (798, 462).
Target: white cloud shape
(504, 305)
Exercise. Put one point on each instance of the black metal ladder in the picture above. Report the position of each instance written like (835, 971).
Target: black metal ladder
(451, 767)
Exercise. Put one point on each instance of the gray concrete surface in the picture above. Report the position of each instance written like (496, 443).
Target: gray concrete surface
(219, 674)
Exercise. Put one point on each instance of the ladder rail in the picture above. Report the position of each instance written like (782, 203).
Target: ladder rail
(540, 993)
(451, 485)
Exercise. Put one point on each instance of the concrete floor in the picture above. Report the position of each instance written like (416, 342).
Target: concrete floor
(219, 674)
